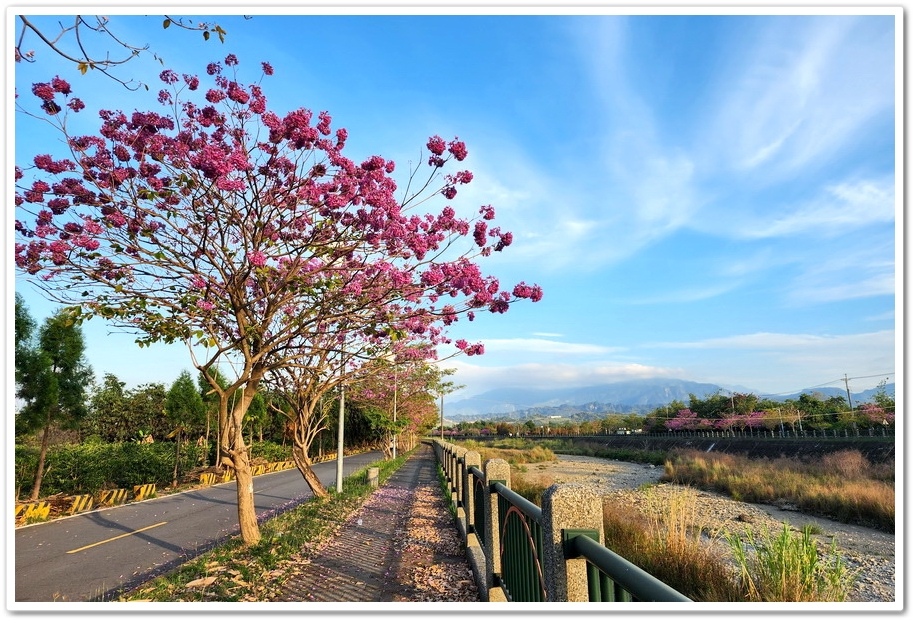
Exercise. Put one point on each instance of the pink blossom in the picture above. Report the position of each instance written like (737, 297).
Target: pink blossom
(267, 68)
(60, 85)
(215, 96)
(46, 163)
(168, 76)
(257, 258)
(43, 90)
(458, 149)
(205, 305)
(436, 145)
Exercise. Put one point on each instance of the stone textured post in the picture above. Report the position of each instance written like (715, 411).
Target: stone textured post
(372, 477)
(493, 470)
(568, 506)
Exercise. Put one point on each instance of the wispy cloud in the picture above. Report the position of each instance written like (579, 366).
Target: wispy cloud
(772, 341)
(799, 92)
(837, 209)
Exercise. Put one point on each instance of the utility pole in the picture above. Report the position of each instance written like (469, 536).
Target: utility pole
(394, 447)
(848, 395)
(340, 439)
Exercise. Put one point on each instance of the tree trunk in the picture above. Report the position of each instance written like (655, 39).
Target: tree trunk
(304, 464)
(241, 463)
(206, 460)
(248, 518)
(40, 470)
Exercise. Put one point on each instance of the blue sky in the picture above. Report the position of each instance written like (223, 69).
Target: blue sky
(710, 198)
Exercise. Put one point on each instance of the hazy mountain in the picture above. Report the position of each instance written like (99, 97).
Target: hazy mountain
(639, 396)
(625, 396)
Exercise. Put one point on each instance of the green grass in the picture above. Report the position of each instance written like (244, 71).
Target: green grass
(788, 567)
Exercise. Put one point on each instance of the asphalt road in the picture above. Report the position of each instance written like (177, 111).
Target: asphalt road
(95, 555)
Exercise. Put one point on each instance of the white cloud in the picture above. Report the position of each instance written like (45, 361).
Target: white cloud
(543, 346)
(480, 379)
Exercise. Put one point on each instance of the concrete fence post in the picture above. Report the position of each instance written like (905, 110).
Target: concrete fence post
(372, 477)
(494, 470)
(565, 507)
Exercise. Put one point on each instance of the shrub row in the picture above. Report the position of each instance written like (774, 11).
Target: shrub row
(91, 467)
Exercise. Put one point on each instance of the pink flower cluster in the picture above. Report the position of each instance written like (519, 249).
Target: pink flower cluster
(218, 181)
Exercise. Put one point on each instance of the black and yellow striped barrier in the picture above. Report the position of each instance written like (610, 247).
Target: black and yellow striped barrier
(257, 470)
(81, 503)
(208, 478)
(35, 511)
(228, 475)
(142, 492)
(112, 497)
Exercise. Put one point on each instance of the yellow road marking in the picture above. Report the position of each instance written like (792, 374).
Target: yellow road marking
(115, 538)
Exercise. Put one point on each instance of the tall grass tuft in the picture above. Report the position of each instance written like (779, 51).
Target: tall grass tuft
(788, 568)
(664, 539)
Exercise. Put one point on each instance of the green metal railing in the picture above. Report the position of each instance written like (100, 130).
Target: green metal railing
(521, 546)
(519, 533)
(478, 513)
(612, 578)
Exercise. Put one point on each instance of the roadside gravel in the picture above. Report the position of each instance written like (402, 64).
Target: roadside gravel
(870, 553)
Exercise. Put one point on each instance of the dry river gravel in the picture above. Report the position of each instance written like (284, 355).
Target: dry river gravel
(870, 553)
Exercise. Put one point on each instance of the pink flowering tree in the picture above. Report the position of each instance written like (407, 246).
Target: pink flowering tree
(684, 420)
(248, 235)
(873, 413)
(398, 393)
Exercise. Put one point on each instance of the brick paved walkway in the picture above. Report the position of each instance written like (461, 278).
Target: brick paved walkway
(370, 558)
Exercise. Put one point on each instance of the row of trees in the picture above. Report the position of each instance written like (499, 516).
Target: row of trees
(734, 412)
(60, 398)
(250, 237)
(745, 411)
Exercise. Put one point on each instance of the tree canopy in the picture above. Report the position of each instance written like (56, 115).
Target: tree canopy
(250, 236)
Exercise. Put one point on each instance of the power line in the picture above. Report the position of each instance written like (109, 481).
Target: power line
(839, 380)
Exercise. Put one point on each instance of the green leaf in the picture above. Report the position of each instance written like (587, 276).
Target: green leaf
(83, 68)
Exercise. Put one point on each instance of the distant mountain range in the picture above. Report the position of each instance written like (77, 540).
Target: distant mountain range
(638, 396)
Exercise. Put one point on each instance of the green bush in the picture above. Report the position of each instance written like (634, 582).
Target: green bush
(90, 467)
(270, 451)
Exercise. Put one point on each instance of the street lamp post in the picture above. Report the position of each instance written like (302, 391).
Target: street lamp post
(340, 441)
(394, 446)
